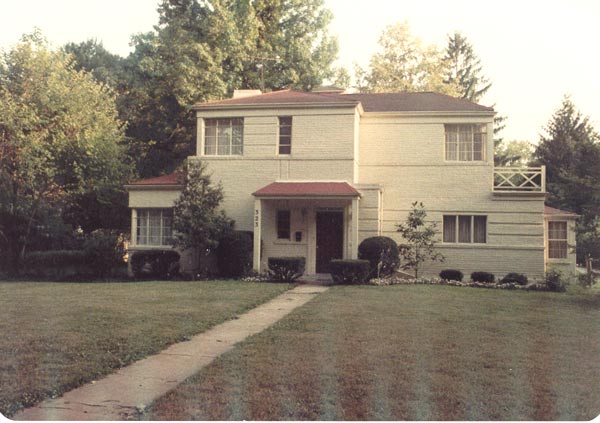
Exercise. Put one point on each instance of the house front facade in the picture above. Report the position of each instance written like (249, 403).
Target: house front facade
(314, 174)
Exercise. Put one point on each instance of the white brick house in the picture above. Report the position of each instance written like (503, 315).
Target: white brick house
(313, 174)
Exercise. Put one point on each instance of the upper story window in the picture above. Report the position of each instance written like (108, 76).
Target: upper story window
(285, 135)
(465, 143)
(223, 136)
(154, 227)
(465, 229)
(557, 240)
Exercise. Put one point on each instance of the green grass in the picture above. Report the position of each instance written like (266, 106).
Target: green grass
(56, 336)
(408, 353)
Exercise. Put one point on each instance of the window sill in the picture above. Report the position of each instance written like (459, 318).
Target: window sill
(288, 242)
(149, 247)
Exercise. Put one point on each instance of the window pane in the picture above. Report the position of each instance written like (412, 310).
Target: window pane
(449, 228)
(479, 224)
(479, 146)
(154, 227)
(285, 149)
(557, 249)
(465, 143)
(142, 226)
(557, 230)
(464, 228)
(210, 137)
(283, 224)
(224, 137)
(237, 140)
(451, 143)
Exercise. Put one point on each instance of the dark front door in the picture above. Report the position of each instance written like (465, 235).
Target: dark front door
(330, 238)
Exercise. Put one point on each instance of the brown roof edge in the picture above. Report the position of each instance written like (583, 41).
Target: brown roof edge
(551, 211)
(307, 189)
(172, 179)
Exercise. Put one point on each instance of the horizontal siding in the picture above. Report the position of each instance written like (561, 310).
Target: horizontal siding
(151, 198)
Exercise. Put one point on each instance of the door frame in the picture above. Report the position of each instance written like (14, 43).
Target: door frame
(338, 210)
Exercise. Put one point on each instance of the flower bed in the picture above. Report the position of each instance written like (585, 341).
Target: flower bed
(438, 281)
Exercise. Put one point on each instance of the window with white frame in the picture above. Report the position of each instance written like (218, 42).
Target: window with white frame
(223, 136)
(285, 135)
(465, 143)
(557, 239)
(154, 226)
(464, 229)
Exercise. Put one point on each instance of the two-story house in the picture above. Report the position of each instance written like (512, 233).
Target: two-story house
(314, 173)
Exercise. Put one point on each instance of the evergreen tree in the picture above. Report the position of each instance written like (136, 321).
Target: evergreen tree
(570, 150)
(197, 221)
(463, 69)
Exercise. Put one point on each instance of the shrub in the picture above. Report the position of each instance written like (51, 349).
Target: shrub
(104, 250)
(155, 263)
(234, 254)
(55, 258)
(519, 278)
(350, 271)
(286, 269)
(451, 275)
(484, 277)
(56, 264)
(382, 253)
(555, 282)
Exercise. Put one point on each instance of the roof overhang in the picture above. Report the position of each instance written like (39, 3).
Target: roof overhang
(260, 106)
(131, 187)
(307, 190)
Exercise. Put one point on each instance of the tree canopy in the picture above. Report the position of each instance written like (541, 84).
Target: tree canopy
(405, 64)
(59, 134)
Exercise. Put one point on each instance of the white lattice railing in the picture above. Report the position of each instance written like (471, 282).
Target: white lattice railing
(520, 179)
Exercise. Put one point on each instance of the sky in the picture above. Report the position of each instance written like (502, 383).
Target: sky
(534, 52)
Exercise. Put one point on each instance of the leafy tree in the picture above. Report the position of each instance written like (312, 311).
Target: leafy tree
(59, 136)
(420, 239)
(570, 150)
(515, 153)
(197, 220)
(404, 64)
(91, 56)
(201, 51)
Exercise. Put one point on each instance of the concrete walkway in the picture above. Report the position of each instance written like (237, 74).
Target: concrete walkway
(120, 395)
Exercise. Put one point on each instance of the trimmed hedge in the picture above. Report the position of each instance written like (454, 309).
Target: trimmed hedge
(451, 275)
(37, 260)
(515, 278)
(484, 277)
(234, 254)
(350, 271)
(161, 264)
(382, 253)
(286, 269)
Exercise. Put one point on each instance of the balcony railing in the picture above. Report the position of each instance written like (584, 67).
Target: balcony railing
(520, 180)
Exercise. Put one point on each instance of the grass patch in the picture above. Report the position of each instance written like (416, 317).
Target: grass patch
(56, 336)
(408, 353)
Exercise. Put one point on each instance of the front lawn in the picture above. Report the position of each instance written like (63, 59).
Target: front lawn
(56, 336)
(408, 353)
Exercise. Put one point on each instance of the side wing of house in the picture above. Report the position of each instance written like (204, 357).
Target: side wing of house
(559, 238)
(446, 161)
